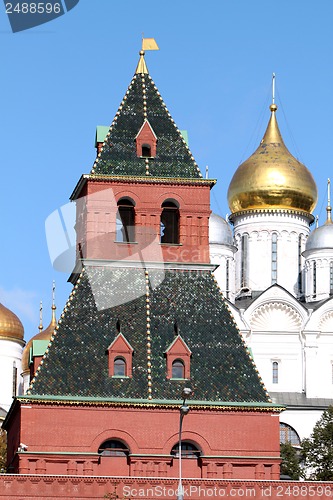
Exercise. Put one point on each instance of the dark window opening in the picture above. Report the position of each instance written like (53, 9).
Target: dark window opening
(188, 450)
(119, 367)
(146, 151)
(170, 223)
(113, 448)
(125, 221)
(178, 369)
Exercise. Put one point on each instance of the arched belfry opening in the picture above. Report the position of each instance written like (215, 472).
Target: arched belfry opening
(170, 222)
(125, 222)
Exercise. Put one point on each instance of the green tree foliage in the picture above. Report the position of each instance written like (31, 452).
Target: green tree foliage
(317, 450)
(3, 450)
(290, 461)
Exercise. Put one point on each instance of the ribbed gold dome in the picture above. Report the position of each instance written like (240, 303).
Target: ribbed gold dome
(10, 326)
(272, 178)
(43, 335)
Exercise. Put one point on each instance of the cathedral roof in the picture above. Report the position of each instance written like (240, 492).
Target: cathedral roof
(142, 104)
(75, 363)
(219, 231)
(272, 178)
(43, 335)
(322, 237)
(10, 325)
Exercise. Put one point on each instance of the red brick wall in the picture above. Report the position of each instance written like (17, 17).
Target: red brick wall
(96, 221)
(233, 444)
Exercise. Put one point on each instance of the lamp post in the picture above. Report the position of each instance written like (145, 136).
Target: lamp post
(184, 409)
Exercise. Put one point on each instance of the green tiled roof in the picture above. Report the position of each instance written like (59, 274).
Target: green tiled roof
(77, 365)
(119, 156)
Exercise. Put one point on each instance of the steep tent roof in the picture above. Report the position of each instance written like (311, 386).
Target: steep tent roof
(143, 102)
(76, 363)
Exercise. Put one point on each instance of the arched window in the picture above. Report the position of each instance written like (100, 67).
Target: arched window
(331, 278)
(119, 367)
(178, 369)
(169, 223)
(274, 258)
(113, 448)
(125, 221)
(275, 372)
(146, 151)
(188, 450)
(289, 435)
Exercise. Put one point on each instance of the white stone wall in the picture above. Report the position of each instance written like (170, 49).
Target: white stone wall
(220, 255)
(259, 227)
(10, 353)
(323, 259)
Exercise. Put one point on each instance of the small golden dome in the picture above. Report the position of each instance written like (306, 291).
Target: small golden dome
(43, 335)
(10, 326)
(272, 178)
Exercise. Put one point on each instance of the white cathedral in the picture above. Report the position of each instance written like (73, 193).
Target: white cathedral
(276, 276)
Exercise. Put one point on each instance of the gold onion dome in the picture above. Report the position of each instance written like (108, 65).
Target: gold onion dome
(43, 335)
(272, 178)
(10, 325)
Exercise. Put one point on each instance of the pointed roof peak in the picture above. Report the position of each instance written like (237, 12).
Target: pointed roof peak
(142, 66)
(273, 134)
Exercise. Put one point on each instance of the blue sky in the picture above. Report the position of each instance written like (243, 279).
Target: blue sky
(62, 79)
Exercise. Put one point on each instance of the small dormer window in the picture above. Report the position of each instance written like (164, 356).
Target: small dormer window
(146, 141)
(120, 354)
(146, 151)
(178, 358)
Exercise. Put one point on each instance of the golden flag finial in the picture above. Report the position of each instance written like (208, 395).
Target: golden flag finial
(147, 44)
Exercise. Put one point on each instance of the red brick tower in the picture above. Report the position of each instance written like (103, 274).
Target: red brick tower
(145, 319)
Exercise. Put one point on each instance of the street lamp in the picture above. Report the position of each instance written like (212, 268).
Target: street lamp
(184, 409)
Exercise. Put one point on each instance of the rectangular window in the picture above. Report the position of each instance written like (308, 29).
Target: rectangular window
(227, 278)
(314, 278)
(300, 280)
(14, 380)
(244, 262)
(275, 372)
(274, 258)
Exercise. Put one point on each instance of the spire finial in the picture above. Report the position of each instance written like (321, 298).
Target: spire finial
(273, 106)
(40, 327)
(53, 320)
(329, 208)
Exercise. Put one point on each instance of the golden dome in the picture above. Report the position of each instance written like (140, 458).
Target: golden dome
(10, 326)
(43, 335)
(272, 178)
